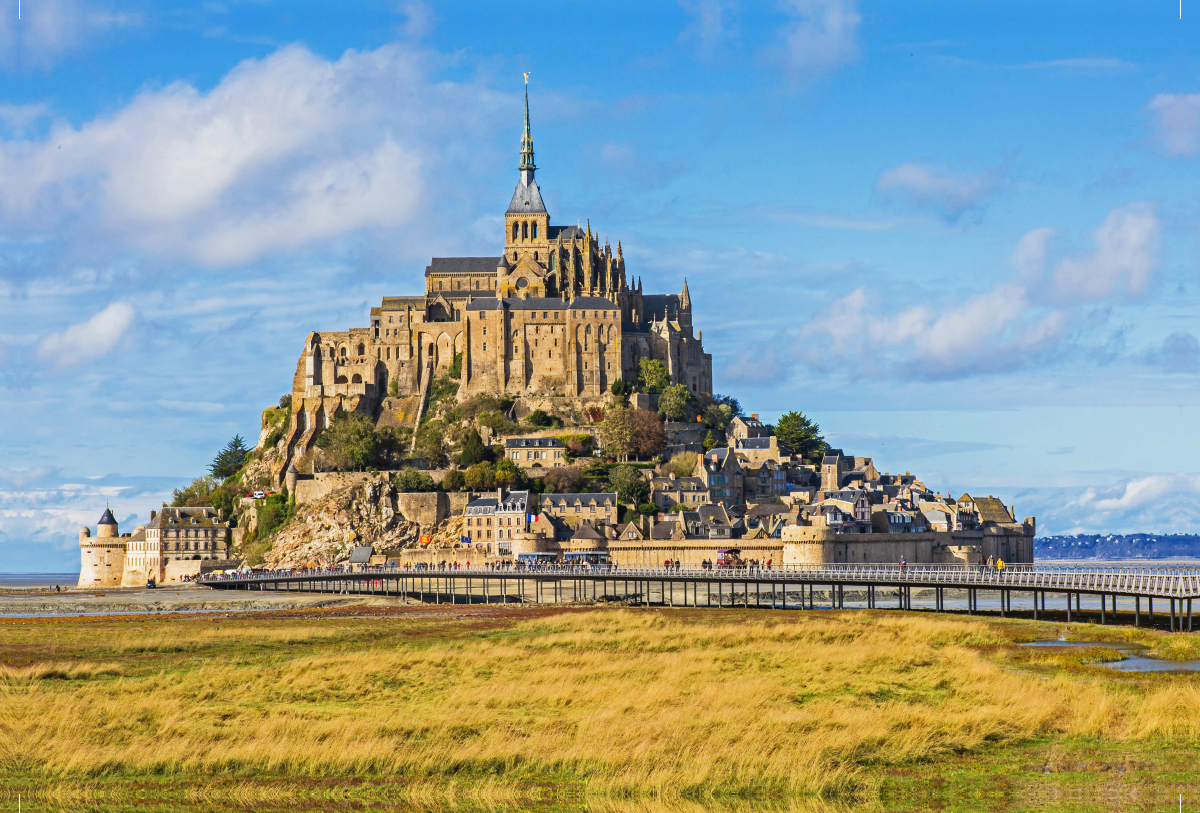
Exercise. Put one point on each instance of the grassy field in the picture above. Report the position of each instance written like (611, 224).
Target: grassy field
(597, 709)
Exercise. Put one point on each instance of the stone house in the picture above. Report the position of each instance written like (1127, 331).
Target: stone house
(491, 523)
(742, 428)
(535, 455)
(764, 481)
(570, 510)
(722, 474)
(670, 491)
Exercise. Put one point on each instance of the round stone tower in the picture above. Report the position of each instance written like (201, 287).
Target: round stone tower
(102, 557)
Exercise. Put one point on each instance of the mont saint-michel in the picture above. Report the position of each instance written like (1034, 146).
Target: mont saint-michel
(537, 407)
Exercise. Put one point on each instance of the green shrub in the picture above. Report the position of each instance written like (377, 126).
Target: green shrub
(454, 480)
(410, 480)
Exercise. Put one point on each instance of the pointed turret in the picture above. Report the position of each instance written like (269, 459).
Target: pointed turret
(685, 299)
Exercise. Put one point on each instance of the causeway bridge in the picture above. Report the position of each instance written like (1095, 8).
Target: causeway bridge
(1104, 593)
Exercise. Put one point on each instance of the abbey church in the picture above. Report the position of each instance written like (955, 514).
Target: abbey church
(554, 314)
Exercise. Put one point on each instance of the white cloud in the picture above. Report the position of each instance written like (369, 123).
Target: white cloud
(51, 29)
(419, 19)
(88, 340)
(1175, 118)
(1000, 329)
(284, 152)
(822, 35)
(1125, 257)
(928, 188)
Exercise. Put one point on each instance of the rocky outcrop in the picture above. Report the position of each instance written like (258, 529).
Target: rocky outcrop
(326, 531)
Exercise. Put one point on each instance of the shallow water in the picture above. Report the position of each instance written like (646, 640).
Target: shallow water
(1135, 658)
(12, 581)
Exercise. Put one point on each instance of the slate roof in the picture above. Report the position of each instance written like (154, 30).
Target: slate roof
(361, 555)
(991, 510)
(653, 305)
(566, 232)
(462, 265)
(664, 530)
(107, 518)
(530, 443)
(559, 500)
(586, 531)
(171, 517)
(526, 199)
(754, 443)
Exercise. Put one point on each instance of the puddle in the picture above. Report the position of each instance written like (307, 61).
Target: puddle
(1135, 660)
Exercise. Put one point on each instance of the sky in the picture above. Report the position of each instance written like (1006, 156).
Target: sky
(960, 236)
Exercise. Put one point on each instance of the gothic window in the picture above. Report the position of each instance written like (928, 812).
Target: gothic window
(439, 285)
(459, 284)
(515, 233)
(535, 235)
(524, 230)
(476, 285)
(553, 257)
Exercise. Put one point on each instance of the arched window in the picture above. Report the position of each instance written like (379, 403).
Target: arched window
(357, 379)
(362, 351)
(476, 285)
(553, 257)
(343, 352)
(459, 285)
(515, 232)
(524, 231)
(533, 231)
(439, 285)
(341, 379)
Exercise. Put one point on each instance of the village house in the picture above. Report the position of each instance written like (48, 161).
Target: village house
(535, 455)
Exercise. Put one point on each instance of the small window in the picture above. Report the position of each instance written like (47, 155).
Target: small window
(534, 232)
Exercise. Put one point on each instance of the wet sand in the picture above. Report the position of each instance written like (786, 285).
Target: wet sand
(174, 599)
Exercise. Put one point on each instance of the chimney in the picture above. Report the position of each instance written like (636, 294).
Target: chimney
(153, 514)
(754, 415)
(671, 475)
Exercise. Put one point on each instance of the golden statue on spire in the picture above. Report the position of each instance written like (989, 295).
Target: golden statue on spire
(527, 77)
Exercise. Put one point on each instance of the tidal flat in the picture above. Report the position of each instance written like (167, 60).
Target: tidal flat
(589, 709)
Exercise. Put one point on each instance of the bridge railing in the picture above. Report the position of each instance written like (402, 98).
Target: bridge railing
(1167, 581)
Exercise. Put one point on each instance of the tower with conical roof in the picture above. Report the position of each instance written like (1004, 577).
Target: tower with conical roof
(101, 557)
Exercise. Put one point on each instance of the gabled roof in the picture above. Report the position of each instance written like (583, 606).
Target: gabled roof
(600, 498)
(531, 443)
(586, 531)
(991, 510)
(667, 529)
(462, 265)
(624, 530)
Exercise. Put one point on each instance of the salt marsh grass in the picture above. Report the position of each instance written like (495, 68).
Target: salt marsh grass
(629, 703)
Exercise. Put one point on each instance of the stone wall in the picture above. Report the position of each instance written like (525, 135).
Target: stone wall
(808, 545)
(313, 487)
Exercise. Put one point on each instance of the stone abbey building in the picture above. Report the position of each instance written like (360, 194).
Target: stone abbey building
(554, 314)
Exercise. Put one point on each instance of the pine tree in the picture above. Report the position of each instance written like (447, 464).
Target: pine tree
(230, 459)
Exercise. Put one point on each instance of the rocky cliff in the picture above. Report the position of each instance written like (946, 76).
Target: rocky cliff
(325, 532)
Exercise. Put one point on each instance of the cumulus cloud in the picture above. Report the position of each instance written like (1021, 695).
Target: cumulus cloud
(87, 340)
(283, 152)
(821, 35)
(1124, 258)
(947, 196)
(1175, 119)
(999, 329)
(1179, 353)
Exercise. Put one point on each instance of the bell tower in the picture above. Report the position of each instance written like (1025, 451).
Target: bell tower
(527, 223)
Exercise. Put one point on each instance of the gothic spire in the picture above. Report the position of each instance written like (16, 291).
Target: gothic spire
(527, 198)
(527, 138)
(685, 299)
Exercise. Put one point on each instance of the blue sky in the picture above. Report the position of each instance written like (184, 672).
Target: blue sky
(962, 236)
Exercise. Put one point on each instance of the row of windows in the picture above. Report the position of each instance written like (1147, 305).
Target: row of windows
(524, 231)
(536, 455)
(458, 286)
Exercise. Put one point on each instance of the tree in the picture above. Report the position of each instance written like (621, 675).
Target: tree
(285, 401)
(630, 485)
(563, 480)
(717, 416)
(653, 375)
(454, 480)
(410, 479)
(195, 493)
(710, 441)
(473, 450)
(621, 387)
(800, 435)
(230, 459)
(508, 474)
(350, 442)
(728, 400)
(479, 477)
(540, 418)
(616, 432)
(431, 444)
(674, 402)
(648, 435)
(647, 509)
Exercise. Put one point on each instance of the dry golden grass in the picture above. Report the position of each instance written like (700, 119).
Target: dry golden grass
(634, 702)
